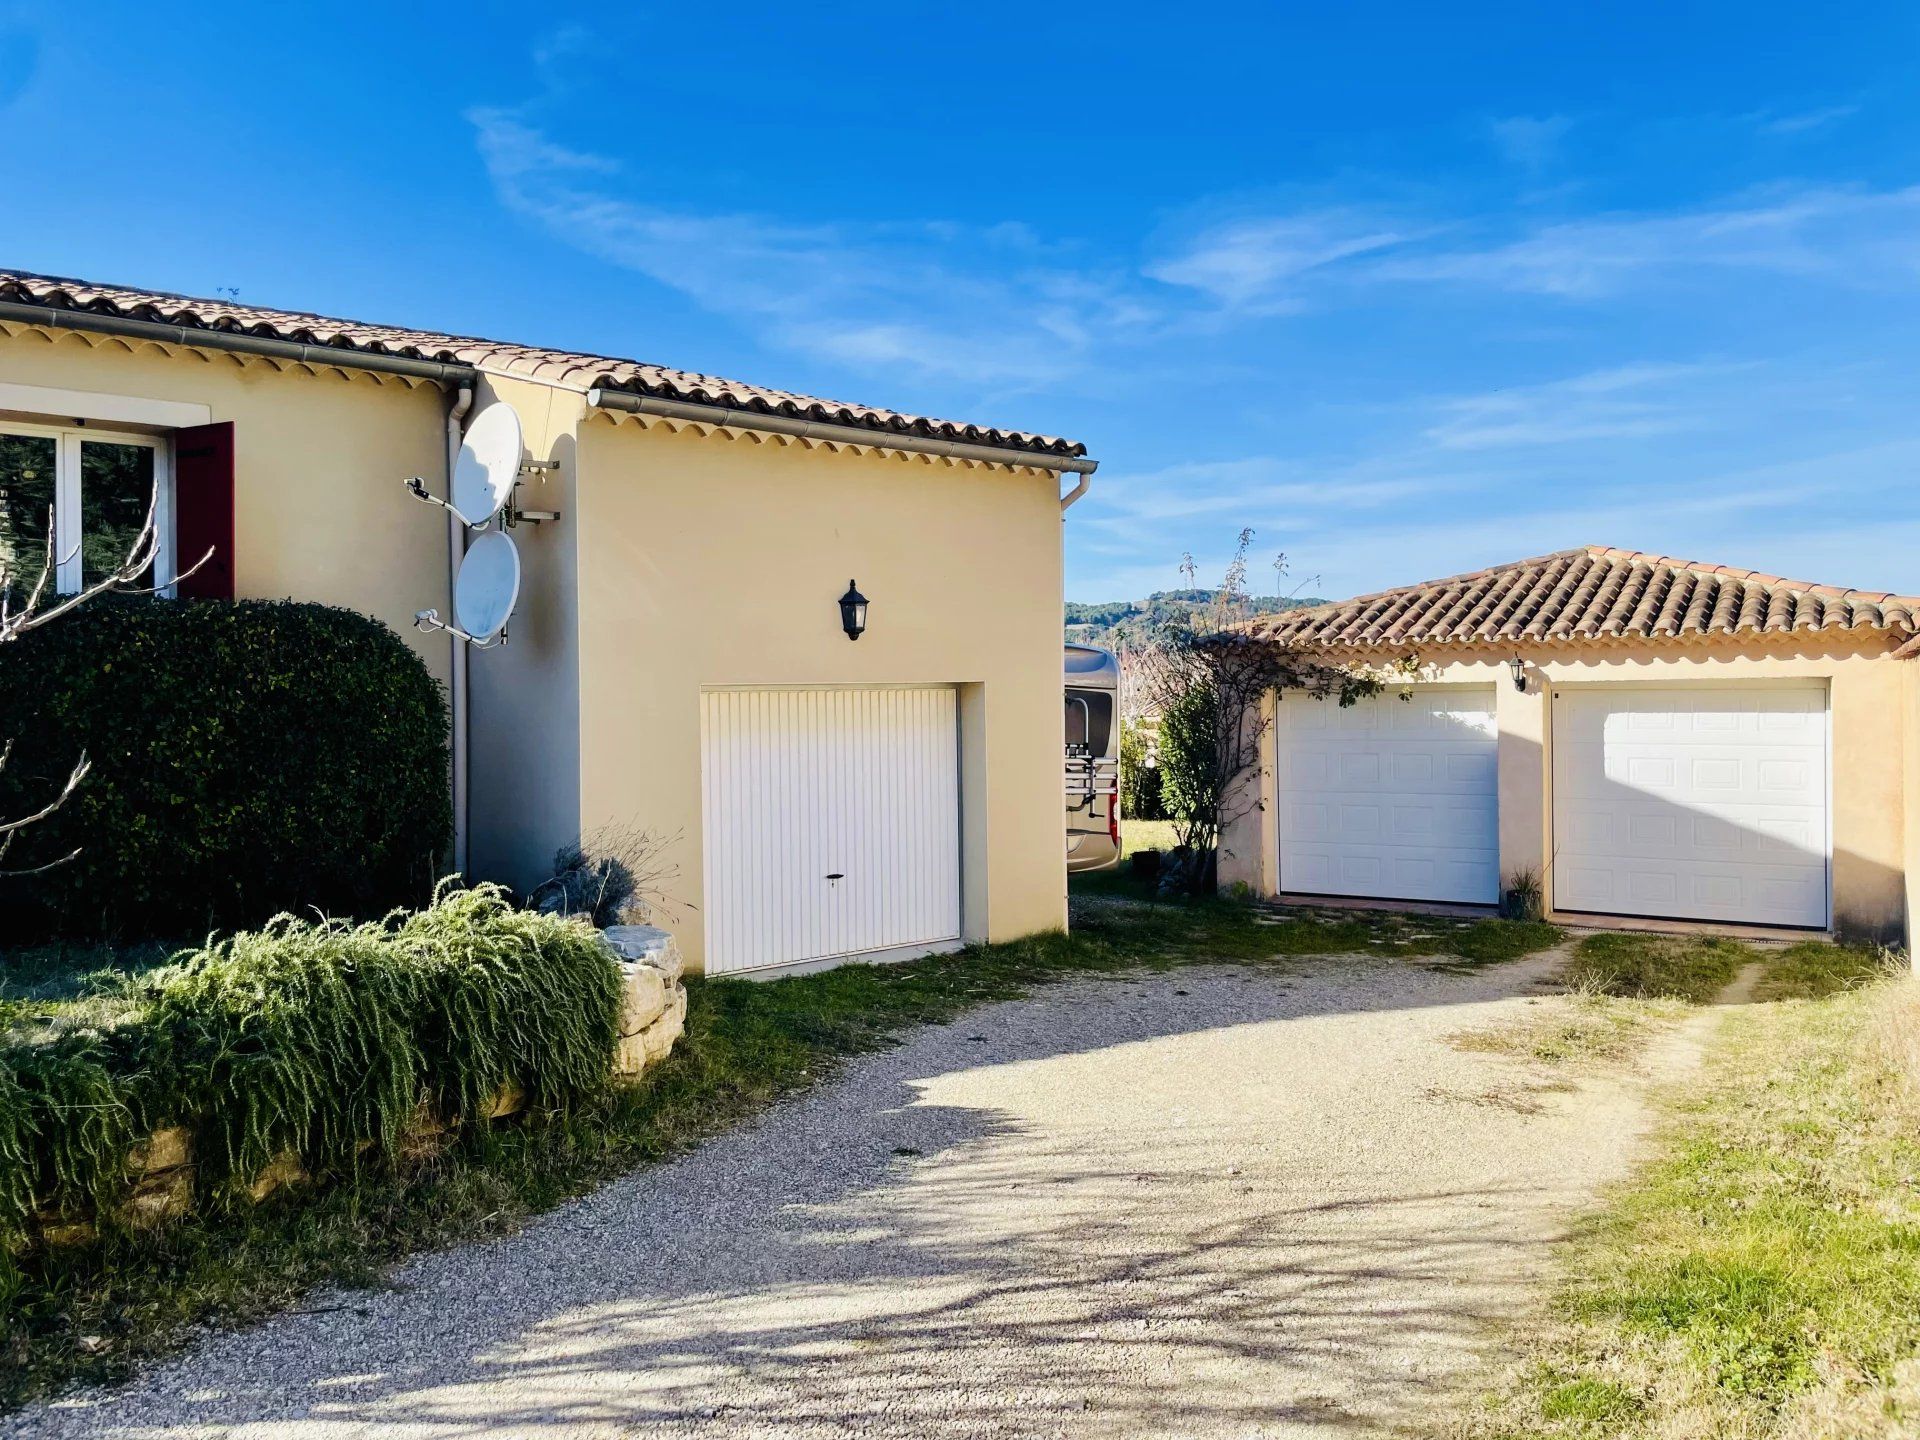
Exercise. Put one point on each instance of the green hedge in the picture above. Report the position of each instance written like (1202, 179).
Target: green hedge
(1139, 781)
(249, 757)
(309, 1036)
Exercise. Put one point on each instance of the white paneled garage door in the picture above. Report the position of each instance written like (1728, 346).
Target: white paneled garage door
(1390, 799)
(832, 823)
(1692, 803)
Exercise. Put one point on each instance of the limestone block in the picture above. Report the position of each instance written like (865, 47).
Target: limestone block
(62, 1231)
(162, 1196)
(284, 1169)
(659, 1036)
(509, 1099)
(647, 943)
(166, 1149)
(630, 1055)
(643, 997)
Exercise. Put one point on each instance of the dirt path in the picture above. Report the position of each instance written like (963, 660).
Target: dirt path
(1217, 1202)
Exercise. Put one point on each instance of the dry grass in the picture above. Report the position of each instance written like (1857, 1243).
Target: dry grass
(1760, 1278)
(1622, 990)
(1575, 1028)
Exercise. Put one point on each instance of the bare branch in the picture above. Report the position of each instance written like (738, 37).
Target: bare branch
(1209, 679)
(80, 769)
(35, 610)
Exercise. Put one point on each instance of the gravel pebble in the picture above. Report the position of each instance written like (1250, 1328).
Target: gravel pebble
(1260, 1203)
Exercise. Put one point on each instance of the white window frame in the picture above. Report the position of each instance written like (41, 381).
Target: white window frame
(67, 440)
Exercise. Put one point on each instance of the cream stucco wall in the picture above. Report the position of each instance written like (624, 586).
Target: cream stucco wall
(708, 561)
(682, 560)
(319, 457)
(1873, 704)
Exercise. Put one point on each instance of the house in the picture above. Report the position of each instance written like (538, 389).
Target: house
(1655, 741)
(676, 661)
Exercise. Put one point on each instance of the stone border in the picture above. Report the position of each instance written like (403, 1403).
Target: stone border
(653, 1013)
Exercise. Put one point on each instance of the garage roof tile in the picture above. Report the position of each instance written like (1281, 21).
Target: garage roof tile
(1596, 592)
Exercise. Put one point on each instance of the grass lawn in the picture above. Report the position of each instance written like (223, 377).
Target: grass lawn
(45, 988)
(93, 1311)
(1760, 1275)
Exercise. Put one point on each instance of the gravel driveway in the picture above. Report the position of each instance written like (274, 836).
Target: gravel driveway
(1216, 1202)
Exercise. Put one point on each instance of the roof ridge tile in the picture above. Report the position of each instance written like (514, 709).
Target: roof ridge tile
(1591, 592)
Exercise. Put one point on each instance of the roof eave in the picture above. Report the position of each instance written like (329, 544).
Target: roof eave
(56, 317)
(635, 403)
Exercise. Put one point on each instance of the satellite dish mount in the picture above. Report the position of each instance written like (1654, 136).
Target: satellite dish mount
(484, 593)
(487, 473)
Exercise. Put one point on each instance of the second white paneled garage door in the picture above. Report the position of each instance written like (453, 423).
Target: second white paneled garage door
(1692, 803)
(832, 823)
(1390, 799)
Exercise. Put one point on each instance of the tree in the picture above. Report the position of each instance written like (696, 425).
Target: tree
(1208, 678)
(37, 606)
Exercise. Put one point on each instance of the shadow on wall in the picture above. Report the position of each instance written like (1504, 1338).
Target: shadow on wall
(982, 1232)
(525, 730)
(1732, 830)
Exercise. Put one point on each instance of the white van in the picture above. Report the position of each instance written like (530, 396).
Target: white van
(1092, 758)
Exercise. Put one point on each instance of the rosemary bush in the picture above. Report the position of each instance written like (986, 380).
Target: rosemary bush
(315, 1037)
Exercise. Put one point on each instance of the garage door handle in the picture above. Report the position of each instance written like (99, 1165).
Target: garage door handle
(836, 876)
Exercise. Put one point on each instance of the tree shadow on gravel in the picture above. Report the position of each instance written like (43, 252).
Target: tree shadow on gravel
(1131, 1208)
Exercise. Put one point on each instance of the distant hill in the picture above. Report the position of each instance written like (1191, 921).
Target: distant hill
(1117, 623)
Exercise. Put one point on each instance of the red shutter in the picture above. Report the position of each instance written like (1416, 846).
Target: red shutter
(203, 509)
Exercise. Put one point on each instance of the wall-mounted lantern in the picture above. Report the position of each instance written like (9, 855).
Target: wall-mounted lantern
(853, 612)
(1519, 669)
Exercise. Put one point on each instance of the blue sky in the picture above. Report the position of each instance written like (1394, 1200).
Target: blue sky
(1408, 292)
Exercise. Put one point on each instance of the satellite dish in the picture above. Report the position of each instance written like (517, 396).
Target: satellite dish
(489, 463)
(488, 584)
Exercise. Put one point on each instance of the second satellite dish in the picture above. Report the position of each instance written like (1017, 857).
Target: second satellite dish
(487, 586)
(489, 464)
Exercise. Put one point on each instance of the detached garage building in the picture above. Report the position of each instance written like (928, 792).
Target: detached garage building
(1655, 740)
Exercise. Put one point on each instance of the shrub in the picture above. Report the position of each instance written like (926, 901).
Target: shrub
(597, 888)
(311, 1036)
(1189, 766)
(249, 757)
(1139, 781)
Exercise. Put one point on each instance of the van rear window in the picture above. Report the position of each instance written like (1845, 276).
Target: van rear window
(1090, 719)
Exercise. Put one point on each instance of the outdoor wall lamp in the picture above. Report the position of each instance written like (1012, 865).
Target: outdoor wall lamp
(1519, 669)
(853, 612)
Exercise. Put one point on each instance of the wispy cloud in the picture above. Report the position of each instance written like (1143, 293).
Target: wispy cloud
(1774, 122)
(1529, 141)
(1854, 236)
(1624, 402)
(1262, 260)
(978, 304)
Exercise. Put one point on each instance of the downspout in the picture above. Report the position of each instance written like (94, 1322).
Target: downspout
(1066, 500)
(456, 552)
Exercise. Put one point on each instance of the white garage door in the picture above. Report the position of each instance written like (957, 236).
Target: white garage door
(832, 823)
(1692, 803)
(1391, 799)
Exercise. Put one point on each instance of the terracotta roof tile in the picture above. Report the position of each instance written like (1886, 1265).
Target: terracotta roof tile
(556, 367)
(1595, 592)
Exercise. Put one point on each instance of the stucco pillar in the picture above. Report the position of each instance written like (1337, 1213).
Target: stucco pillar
(1869, 820)
(1910, 789)
(1247, 839)
(1524, 789)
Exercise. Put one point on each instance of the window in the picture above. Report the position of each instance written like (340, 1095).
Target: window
(95, 486)
(1090, 719)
